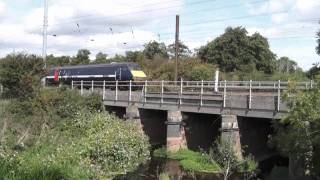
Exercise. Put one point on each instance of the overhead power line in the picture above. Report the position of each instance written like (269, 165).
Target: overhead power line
(94, 19)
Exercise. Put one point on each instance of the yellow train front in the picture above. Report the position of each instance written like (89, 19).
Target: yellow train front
(122, 72)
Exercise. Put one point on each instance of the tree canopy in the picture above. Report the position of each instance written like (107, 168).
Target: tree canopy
(101, 58)
(82, 57)
(184, 51)
(20, 75)
(298, 134)
(53, 61)
(154, 48)
(286, 65)
(236, 50)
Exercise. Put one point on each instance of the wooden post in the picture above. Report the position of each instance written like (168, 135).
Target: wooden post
(81, 91)
(176, 48)
(104, 90)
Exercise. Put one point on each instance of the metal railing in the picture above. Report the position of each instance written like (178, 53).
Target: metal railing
(200, 89)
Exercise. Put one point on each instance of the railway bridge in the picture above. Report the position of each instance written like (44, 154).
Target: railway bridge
(193, 114)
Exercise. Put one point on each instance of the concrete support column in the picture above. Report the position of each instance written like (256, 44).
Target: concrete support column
(230, 133)
(176, 138)
(133, 115)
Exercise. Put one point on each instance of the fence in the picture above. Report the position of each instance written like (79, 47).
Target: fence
(200, 89)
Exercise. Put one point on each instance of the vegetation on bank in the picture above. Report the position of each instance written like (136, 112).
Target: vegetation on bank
(298, 135)
(189, 160)
(61, 135)
(207, 162)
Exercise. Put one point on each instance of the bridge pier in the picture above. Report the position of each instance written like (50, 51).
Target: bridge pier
(176, 138)
(230, 133)
(133, 115)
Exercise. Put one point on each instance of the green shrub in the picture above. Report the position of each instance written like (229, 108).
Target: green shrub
(20, 75)
(114, 146)
(46, 161)
(190, 160)
(201, 72)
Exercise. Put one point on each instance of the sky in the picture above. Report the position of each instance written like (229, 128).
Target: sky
(113, 27)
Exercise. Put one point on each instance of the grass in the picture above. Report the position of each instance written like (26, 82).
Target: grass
(190, 160)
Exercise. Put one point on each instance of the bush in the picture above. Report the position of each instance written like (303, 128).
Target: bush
(20, 75)
(190, 160)
(201, 72)
(92, 146)
(113, 146)
(46, 161)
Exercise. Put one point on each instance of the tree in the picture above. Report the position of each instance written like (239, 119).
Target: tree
(286, 65)
(134, 56)
(314, 71)
(223, 153)
(264, 59)
(20, 75)
(298, 134)
(101, 58)
(184, 51)
(53, 61)
(201, 72)
(82, 57)
(235, 50)
(118, 58)
(153, 49)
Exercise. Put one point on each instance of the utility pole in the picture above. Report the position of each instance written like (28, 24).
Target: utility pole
(45, 27)
(177, 48)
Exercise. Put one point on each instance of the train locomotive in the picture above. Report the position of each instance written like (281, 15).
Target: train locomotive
(122, 72)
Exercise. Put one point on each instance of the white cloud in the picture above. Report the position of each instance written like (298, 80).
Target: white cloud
(94, 18)
(3, 9)
(287, 10)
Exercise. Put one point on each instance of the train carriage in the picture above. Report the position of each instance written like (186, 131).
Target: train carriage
(121, 72)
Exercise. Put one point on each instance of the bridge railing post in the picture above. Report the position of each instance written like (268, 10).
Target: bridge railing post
(181, 91)
(162, 89)
(306, 85)
(116, 97)
(130, 90)
(81, 91)
(279, 95)
(224, 93)
(145, 90)
(104, 90)
(250, 94)
(92, 86)
(201, 94)
(71, 84)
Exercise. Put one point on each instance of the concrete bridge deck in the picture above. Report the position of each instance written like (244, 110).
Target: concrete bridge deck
(262, 99)
(194, 114)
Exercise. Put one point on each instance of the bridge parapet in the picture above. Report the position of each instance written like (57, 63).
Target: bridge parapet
(242, 98)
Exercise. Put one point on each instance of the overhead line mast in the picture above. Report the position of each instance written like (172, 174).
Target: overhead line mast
(45, 27)
(177, 48)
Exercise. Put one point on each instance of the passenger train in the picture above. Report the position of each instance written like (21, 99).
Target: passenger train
(96, 72)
